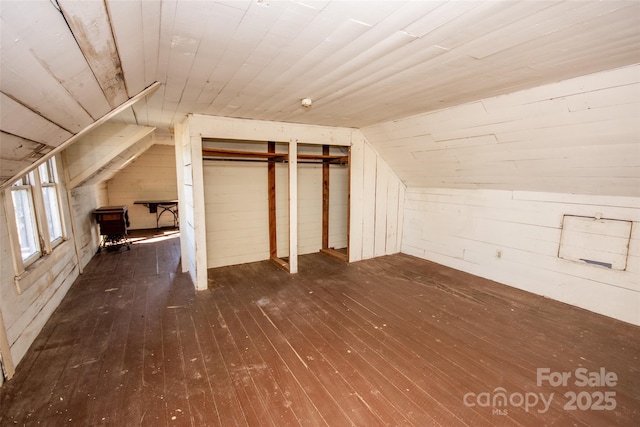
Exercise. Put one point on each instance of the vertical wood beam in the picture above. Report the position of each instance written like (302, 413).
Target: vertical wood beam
(356, 195)
(181, 132)
(293, 206)
(271, 182)
(6, 359)
(199, 216)
(72, 217)
(325, 199)
(349, 207)
(326, 150)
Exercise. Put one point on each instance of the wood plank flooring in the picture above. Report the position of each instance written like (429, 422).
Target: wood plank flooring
(391, 341)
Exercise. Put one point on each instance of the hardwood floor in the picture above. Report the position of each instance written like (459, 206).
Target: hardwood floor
(389, 341)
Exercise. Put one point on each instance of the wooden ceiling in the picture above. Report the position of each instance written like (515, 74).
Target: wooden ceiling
(65, 64)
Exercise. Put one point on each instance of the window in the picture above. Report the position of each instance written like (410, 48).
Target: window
(48, 182)
(22, 195)
(36, 207)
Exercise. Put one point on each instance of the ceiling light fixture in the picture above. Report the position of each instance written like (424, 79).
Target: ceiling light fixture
(306, 102)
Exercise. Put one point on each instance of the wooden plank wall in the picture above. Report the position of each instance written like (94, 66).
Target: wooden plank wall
(84, 200)
(576, 136)
(152, 176)
(513, 237)
(489, 183)
(236, 201)
(376, 195)
(377, 200)
(25, 314)
(191, 195)
(100, 154)
(6, 273)
(236, 213)
(256, 130)
(310, 207)
(263, 130)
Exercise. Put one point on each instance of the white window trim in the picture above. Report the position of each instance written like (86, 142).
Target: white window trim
(55, 242)
(29, 270)
(9, 195)
(14, 240)
(53, 183)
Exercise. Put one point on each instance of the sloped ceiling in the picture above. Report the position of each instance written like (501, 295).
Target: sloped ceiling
(103, 152)
(65, 64)
(578, 136)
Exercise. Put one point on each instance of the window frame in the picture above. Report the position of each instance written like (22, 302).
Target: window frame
(34, 186)
(51, 182)
(27, 185)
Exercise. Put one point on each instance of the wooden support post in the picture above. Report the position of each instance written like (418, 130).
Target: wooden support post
(349, 207)
(180, 134)
(72, 216)
(7, 368)
(271, 182)
(293, 206)
(198, 232)
(325, 199)
(325, 208)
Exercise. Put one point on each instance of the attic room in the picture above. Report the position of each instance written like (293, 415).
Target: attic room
(334, 212)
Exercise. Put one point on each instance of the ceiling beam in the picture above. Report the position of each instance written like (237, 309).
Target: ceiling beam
(90, 23)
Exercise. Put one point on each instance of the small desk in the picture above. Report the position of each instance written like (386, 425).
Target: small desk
(113, 222)
(159, 207)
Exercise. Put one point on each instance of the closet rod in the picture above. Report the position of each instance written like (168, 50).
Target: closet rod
(218, 159)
